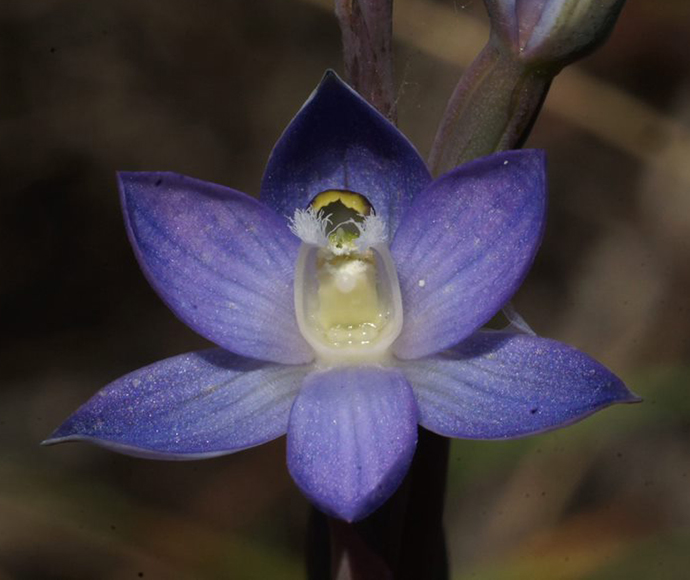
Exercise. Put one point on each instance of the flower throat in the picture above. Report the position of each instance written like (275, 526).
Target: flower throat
(347, 296)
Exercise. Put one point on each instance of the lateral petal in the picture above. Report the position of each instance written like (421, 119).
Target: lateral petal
(498, 385)
(465, 246)
(222, 262)
(192, 406)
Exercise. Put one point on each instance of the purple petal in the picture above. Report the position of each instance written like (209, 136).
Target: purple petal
(465, 246)
(498, 385)
(351, 437)
(222, 261)
(191, 406)
(339, 141)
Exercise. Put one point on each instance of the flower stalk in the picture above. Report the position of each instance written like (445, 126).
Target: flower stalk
(492, 108)
(367, 32)
(497, 100)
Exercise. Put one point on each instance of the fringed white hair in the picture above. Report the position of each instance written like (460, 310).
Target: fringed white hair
(310, 226)
(372, 231)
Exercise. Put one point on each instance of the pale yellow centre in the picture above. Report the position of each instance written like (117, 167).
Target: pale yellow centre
(349, 309)
(347, 298)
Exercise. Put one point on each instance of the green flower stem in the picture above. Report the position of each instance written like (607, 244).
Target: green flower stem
(492, 108)
(402, 540)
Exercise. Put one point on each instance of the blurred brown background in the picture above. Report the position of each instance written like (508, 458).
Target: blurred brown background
(205, 87)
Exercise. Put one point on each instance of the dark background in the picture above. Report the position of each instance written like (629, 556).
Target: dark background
(205, 87)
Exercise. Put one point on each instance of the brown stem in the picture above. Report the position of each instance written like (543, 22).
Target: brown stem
(367, 32)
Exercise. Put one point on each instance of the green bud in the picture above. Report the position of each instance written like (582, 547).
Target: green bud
(552, 32)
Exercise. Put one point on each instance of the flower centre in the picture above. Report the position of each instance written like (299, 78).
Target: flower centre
(347, 296)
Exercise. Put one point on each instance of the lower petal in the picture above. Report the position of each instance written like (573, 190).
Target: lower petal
(498, 385)
(191, 406)
(351, 438)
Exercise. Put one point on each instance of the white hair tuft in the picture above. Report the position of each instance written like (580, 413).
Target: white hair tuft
(310, 226)
(372, 231)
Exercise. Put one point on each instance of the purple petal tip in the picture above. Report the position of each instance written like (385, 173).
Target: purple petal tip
(351, 438)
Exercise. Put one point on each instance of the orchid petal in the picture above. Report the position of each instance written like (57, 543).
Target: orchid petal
(351, 438)
(465, 246)
(192, 406)
(221, 261)
(499, 385)
(339, 141)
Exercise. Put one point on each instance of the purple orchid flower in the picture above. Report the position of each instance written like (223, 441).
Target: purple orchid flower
(346, 305)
